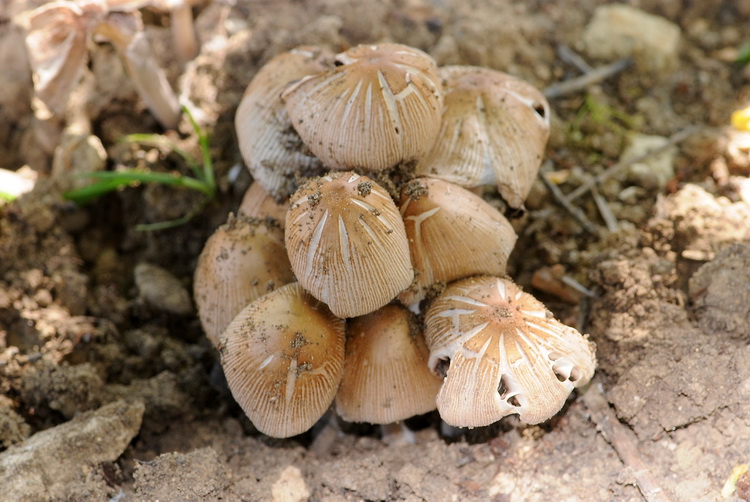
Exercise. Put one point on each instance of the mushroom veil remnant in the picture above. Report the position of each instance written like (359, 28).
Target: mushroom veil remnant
(500, 351)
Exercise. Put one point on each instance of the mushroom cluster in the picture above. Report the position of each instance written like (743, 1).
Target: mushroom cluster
(361, 269)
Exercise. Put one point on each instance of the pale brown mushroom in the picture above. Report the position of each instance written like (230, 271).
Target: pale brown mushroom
(258, 203)
(386, 378)
(494, 130)
(243, 260)
(452, 234)
(500, 351)
(283, 357)
(379, 107)
(271, 148)
(347, 244)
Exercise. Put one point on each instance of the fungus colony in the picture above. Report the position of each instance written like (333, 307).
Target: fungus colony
(360, 217)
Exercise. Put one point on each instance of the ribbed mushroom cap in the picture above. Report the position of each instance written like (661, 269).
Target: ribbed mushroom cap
(283, 357)
(243, 260)
(502, 352)
(452, 234)
(494, 129)
(380, 106)
(386, 378)
(347, 244)
(271, 148)
(258, 203)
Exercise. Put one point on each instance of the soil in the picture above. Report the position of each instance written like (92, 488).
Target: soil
(110, 390)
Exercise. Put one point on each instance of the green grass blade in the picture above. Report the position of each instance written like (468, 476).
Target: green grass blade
(159, 141)
(208, 164)
(6, 197)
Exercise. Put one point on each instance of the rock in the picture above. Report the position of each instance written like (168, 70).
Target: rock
(77, 155)
(163, 291)
(654, 172)
(618, 31)
(194, 476)
(290, 487)
(720, 292)
(53, 463)
(13, 428)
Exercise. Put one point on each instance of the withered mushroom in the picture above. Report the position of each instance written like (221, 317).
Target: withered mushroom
(243, 260)
(283, 358)
(500, 351)
(271, 148)
(56, 39)
(380, 106)
(386, 378)
(347, 244)
(494, 129)
(452, 234)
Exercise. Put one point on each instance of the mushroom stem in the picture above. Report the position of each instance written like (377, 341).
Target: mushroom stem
(397, 433)
(125, 31)
(183, 33)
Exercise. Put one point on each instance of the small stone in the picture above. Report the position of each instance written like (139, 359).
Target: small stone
(290, 487)
(654, 172)
(162, 290)
(618, 31)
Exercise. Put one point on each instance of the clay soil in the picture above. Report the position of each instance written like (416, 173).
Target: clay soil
(106, 394)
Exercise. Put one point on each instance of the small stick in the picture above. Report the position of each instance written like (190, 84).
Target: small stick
(577, 213)
(587, 79)
(612, 170)
(624, 443)
(571, 57)
(604, 210)
(566, 279)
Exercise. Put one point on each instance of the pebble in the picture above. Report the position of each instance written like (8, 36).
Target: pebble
(655, 171)
(162, 290)
(618, 31)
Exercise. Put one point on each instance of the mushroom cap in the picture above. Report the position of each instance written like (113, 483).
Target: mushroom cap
(505, 353)
(243, 260)
(258, 203)
(272, 150)
(386, 378)
(283, 357)
(452, 234)
(347, 244)
(379, 107)
(494, 129)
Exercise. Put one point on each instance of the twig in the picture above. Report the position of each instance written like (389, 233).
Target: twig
(577, 213)
(624, 443)
(587, 79)
(604, 210)
(612, 170)
(571, 57)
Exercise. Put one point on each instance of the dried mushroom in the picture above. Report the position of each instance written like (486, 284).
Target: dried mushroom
(283, 356)
(452, 234)
(347, 244)
(242, 261)
(500, 351)
(386, 378)
(494, 129)
(378, 107)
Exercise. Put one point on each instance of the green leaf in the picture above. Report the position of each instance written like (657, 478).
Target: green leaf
(743, 55)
